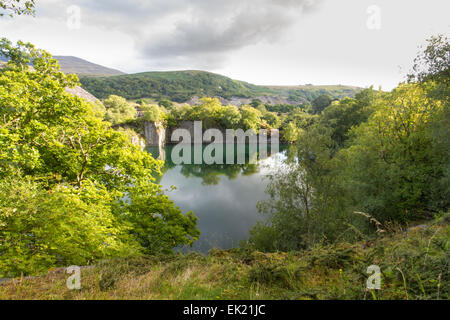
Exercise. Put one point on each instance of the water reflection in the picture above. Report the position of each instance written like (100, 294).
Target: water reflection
(222, 196)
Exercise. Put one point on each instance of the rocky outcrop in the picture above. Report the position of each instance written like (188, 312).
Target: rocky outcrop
(80, 92)
(155, 134)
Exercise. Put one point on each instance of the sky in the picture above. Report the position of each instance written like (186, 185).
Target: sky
(266, 42)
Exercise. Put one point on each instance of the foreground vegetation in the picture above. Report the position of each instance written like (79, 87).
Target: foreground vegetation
(414, 265)
(381, 154)
(72, 189)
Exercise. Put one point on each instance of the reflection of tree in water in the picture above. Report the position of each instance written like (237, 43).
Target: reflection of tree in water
(210, 174)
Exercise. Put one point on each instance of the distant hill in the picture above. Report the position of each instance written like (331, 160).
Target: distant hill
(82, 67)
(183, 86)
(189, 86)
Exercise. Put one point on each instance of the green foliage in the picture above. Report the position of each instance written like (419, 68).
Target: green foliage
(180, 86)
(295, 123)
(304, 204)
(209, 111)
(414, 265)
(291, 133)
(250, 118)
(307, 93)
(152, 113)
(99, 109)
(434, 62)
(57, 140)
(320, 103)
(399, 159)
(17, 7)
(63, 226)
(378, 155)
(180, 112)
(256, 103)
(272, 119)
(215, 115)
(167, 104)
(158, 226)
(231, 117)
(284, 108)
(342, 115)
(118, 110)
(381, 153)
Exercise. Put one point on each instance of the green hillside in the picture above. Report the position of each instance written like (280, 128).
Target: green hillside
(310, 92)
(180, 86)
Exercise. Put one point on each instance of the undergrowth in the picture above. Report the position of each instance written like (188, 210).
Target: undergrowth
(414, 265)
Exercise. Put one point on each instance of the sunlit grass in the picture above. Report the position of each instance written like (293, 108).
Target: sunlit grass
(414, 265)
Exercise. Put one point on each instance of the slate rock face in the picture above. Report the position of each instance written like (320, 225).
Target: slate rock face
(80, 92)
(155, 134)
(79, 66)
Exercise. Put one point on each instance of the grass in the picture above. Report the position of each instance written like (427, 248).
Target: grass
(414, 265)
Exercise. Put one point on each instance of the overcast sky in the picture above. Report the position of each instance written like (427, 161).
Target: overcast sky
(277, 42)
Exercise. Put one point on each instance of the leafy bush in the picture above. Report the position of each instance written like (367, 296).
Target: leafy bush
(118, 109)
(81, 163)
(399, 158)
(152, 113)
(63, 226)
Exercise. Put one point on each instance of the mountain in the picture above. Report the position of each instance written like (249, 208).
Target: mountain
(82, 67)
(188, 86)
(79, 66)
(183, 86)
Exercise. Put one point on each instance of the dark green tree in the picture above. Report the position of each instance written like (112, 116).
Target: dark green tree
(320, 103)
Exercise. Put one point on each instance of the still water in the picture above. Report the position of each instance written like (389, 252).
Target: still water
(223, 197)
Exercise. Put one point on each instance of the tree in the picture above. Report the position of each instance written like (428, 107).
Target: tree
(180, 112)
(303, 205)
(272, 119)
(63, 226)
(118, 110)
(295, 123)
(291, 133)
(385, 154)
(230, 117)
(152, 113)
(342, 115)
(17, 7)
(208, 112)
(56, 140)
(433, 63)
(398, 160)
(251, 118)
(165, 104)
(320, 103)
(256, 103)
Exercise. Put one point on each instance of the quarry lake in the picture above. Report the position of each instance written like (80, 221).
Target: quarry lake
(223, 197)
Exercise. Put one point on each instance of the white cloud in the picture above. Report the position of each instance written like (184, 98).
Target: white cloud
(200, 33)
(259, 41)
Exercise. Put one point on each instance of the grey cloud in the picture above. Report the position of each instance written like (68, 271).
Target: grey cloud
(196, 33)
